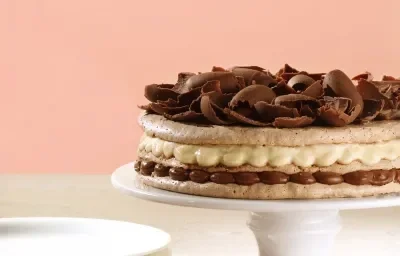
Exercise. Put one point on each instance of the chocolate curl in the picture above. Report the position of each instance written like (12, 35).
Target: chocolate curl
(390, 78)
(366, 76)
(163, 92)
(286, 69)
(296, 101)
(212, 111)
(228, 81)
(241, 82)
(371, 110)
(269, 112)
(188, 116)
(188, 97)
(334, 110)
(300, 82)
(254, 75)
(282, 88)
(211, 86)
(342, 86)
(252, 94)
(182, 78)
(164, 109)
(370, 91)
(315, 90)
(287, 122)
(243, 119)
(216, 69)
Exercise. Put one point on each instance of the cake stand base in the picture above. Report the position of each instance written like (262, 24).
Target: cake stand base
(295, 234)
(281, 227)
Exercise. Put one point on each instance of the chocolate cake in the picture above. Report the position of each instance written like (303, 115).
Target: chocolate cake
(247, 133)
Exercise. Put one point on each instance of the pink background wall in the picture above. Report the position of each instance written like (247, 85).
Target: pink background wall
(72, 71)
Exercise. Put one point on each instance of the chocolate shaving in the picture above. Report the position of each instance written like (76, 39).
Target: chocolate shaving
(154, 92)
(269, 112)
(188, 97)
(342, 86)
(282, 88)
(243, 119)
(210, 109)
(215, 69)
(288, 122)
(293, 100)
(389, 78)
(336, 117)
(185, 116)
(241, 82)
(287, 69)
(370, 91)
(371, 110)
(211, 86)
(253, 76)
(253, 94)
(366, 76)
(315, 90)
(228, 81)
(300, 82)
(163, 109)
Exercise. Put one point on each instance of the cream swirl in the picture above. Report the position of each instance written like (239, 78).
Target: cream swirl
(259, 156)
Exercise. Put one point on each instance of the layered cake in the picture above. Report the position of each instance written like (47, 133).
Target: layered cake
(247, 133)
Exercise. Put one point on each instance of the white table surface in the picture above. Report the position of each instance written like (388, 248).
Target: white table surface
(194, 231)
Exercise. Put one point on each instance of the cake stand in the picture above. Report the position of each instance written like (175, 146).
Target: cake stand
(281, 227)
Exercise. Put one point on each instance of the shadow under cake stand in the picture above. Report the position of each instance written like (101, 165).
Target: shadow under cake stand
(281, 227)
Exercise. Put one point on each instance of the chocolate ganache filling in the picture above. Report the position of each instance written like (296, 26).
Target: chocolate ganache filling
(251, 95)
(358, 178)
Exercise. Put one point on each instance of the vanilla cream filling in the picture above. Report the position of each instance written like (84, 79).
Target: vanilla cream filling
(259, 156)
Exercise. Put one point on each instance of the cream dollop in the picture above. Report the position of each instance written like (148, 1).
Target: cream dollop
(259, 156)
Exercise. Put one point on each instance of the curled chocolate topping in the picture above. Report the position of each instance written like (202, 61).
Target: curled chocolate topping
(382, 177)
(288, 122)
(177, 173)
(302, 178)
(366, 76)
(161, 170)
(282, 88)
(228, 81)
(358, 178)
(147, 167)
(222, 178)
(269, 112)
(199, 176)
(329, 178)
(136, 166)
(251, 95)
(254, 75)
(315, 90)
(273, 177)
(372, 108)
(342, 86)
(155, 92)
(390, 78)
(300, 82)
(212, 111)
(246, 178)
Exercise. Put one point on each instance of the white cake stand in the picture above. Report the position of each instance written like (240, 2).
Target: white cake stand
(281, 227)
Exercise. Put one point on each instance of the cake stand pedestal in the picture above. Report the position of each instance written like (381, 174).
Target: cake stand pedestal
(281, 227)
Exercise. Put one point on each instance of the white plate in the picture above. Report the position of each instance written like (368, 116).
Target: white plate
(79, 236)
